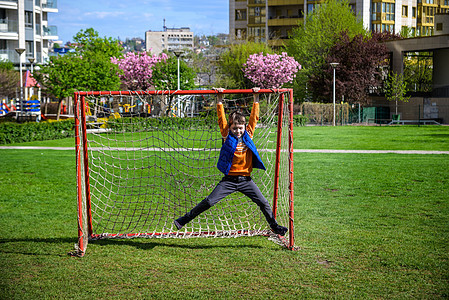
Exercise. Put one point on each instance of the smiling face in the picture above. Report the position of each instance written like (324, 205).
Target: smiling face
(237, 129)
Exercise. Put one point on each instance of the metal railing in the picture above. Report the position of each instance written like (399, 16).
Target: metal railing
(10, 55)
(8, 25)
(50, 31)
(50, 4)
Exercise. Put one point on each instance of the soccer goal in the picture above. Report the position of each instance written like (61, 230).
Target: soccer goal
(145, 158)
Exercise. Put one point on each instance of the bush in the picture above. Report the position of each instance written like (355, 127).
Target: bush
(27, 132)
(170, 123)
(300, 120)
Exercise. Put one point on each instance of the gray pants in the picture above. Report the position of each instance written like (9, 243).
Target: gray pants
(227, 186)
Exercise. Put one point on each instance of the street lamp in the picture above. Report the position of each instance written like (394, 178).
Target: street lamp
(334, 65)
(20, 52)
(178, 53)
(31, 60)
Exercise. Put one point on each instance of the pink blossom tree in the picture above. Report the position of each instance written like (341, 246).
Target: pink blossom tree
(270, 70)
(137, 69)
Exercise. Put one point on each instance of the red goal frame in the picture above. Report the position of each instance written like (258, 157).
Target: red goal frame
(82, 158)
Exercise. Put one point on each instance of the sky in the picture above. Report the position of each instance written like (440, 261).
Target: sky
(132, 18)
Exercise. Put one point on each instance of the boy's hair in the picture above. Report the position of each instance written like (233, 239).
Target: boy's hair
(237, 118)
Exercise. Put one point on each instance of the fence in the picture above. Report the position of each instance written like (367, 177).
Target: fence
(417, 111)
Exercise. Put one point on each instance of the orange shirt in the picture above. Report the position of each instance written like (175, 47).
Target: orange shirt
(242, 163)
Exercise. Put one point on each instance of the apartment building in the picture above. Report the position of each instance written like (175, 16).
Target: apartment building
(24, 24)
(271, 21)
(170, 39)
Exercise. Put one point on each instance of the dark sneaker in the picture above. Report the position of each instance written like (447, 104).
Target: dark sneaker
(179, 226)
(278, 229)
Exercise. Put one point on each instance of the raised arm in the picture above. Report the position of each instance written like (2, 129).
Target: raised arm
(222, 122)
(254, 117)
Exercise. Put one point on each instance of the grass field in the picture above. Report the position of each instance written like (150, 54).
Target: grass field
(369, 226)
(345, 137)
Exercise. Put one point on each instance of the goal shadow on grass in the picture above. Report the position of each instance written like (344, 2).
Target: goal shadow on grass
(146, 245)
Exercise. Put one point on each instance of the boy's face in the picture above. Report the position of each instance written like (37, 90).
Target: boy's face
(237, 129)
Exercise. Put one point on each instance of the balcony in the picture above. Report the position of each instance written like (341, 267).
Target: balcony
(283, 2)
(50, 6)
(50, 32)
(10, 26)
(10, 55)
(284, 21)
(10, 4)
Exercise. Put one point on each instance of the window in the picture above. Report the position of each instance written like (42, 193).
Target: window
(257, 34)
(240, 34)
(376, 9)
(2, 14)
(256, 15)
(404, 10)
(414, 12)
(3, 45)
(353, 8)
(29, 48)
(28, 19)
(240, 14)
(439, 27)
(388, 10)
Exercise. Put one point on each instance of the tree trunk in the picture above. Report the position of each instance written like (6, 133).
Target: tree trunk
(59, 109)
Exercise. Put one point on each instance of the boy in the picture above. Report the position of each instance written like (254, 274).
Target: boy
(238, 156)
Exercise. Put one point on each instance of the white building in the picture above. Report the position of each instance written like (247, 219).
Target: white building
(170, 39)
(24, 24)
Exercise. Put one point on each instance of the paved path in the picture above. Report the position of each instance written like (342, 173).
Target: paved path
(295, 150)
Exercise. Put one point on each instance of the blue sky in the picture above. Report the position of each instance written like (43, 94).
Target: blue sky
(131, 18)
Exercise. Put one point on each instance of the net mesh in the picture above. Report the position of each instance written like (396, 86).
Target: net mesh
(152, 157)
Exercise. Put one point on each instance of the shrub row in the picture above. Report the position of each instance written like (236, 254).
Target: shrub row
(145, 124)
(300, 120)
(32, 131)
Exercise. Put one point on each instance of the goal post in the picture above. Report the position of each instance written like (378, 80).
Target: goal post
(144, 158)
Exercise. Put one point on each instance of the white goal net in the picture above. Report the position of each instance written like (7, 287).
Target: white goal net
(146, 158)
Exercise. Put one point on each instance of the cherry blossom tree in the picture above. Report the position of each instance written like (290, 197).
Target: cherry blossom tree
(270, 70)
(137, 69)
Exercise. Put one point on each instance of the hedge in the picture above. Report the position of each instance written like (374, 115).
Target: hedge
(32, 131)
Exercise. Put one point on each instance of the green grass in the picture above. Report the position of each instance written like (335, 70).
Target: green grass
(369, 226)
(373, 137)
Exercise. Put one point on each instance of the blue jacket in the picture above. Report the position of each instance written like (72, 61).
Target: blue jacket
(227, 153)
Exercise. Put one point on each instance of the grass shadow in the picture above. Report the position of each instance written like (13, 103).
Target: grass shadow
(140, 244)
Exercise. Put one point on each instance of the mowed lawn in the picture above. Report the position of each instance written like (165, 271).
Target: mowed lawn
(368, 226)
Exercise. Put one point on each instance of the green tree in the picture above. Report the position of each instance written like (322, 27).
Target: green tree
(311, 42)
(165, 77)
(9, 79)
(88, 42)
(231, 64)
(6, 64)
(89, 68)
(396, 89)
